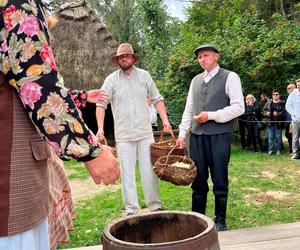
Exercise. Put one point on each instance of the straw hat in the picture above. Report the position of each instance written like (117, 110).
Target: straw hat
(124, 49)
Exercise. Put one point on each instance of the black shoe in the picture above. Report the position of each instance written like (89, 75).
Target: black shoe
(296, 157)
(199, 202)
(220, 212)
(221, 226)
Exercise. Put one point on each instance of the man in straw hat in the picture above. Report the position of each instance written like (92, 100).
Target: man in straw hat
(215, 98)
(129, 89)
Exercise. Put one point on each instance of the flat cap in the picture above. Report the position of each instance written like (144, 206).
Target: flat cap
(207, 47)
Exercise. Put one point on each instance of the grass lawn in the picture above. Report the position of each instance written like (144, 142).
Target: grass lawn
(264, 190)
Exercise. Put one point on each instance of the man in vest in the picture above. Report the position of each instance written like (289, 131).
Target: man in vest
(35, 107)
(214, 100)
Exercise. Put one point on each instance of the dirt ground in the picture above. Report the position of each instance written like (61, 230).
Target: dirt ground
(82, 190)
(262, 197)
(87, 189)
(259, 197)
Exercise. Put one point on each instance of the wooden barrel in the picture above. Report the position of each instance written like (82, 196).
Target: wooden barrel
(162, 230)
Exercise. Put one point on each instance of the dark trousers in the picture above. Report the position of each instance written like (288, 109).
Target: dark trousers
(254, 136)
(211, 153)
(242, 129)
(289, 136)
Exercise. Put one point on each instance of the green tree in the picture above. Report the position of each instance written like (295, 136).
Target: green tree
(268, 8)
(54, 4)
(265, 53)
(156, 41)
(120, 16)
(146, 25)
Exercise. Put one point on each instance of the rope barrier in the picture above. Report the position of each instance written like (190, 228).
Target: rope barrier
(264, 121)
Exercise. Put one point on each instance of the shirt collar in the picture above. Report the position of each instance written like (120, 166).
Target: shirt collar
(213, 72)
(131, 73)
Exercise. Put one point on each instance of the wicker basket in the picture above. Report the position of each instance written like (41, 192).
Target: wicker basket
(166, 170)
(162, 148)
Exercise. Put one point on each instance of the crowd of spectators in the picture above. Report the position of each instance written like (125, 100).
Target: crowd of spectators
(262, 125)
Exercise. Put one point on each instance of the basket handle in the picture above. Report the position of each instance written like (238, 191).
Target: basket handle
(162, 134)
(105, 140)
(176, 145)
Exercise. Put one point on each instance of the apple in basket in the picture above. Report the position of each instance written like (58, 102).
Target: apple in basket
(180, 164)
(169, 144)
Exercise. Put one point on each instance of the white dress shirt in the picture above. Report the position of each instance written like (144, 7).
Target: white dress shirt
(233, 90)
(293, 105)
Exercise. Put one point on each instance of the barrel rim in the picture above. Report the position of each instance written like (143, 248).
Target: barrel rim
(210, 227)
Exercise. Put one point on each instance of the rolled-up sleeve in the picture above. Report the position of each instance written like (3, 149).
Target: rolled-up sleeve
(154, 94)
(107, 88)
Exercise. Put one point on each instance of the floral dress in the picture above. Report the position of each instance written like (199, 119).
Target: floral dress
(28, 65)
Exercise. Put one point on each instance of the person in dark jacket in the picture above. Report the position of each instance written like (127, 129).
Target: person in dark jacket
(274, 111)
(263, 100)
(252, 116)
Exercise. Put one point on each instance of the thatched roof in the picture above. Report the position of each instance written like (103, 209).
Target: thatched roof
(83, 47)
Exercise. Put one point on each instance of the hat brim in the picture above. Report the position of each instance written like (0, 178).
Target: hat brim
(114, 58)
(206, 47)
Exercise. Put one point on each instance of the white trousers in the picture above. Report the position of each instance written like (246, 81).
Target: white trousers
(296, 135)
(33, 239)
(128, 152)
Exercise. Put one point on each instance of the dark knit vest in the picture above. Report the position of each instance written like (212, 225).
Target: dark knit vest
(210, 96)
(23, 167)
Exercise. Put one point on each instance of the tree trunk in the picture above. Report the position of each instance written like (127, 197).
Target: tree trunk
(282, 8)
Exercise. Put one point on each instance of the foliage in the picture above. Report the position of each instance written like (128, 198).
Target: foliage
(264, 58)
(258, 39)
(265, 54)
(257, 184)
(146, 25)
(156, 40)
(120, 17)
(268, 8)
(143, 23)
(54, 4)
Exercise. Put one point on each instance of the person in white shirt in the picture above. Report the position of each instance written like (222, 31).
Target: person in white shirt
(128, 90)
(293, 107)
(153, 115)
(288, 120)
(214, 100)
